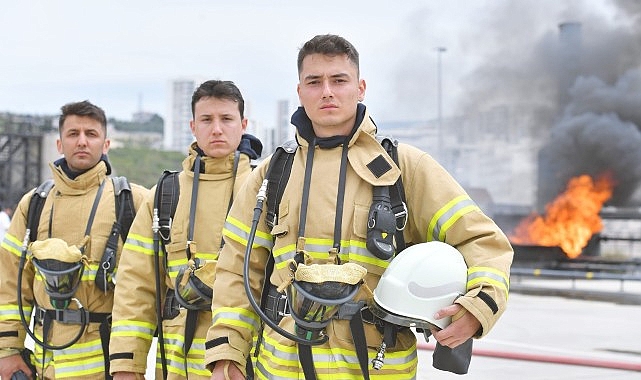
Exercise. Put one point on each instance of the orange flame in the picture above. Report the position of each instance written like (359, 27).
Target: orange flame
(571, 218)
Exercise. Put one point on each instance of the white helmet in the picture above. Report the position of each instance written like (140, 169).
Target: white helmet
(421, 280)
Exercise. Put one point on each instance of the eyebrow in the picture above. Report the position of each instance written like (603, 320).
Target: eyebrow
(316, 76)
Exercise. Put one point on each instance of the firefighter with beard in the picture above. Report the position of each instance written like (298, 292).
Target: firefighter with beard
(218, 163)
(77, 220)
(323, 220)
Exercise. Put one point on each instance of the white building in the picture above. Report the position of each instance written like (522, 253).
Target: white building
(177, 135)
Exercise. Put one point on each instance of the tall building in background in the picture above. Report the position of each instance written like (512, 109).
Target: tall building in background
(177, 135)
(283, 130)
(283, 126)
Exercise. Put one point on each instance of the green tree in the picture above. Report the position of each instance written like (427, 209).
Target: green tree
(143, 165)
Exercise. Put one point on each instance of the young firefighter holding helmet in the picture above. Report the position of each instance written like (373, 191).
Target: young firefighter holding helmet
(60, 254)
(331, 243)
(169, 257)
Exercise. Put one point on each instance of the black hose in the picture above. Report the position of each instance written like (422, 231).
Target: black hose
(258, 209)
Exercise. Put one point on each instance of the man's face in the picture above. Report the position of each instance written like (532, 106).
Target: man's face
(329, 90)
(217, 126)
(82, 142)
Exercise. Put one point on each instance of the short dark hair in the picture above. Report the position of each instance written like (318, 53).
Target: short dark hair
(220, 89)
(328, 44)
(84, 108)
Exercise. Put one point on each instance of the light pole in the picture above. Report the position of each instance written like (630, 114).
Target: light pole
(439, 51)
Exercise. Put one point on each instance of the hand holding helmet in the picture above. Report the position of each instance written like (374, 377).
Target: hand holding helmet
(420, 281)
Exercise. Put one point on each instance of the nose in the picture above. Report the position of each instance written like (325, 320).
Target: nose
(216, 127)
(327, 90)
(82, 139)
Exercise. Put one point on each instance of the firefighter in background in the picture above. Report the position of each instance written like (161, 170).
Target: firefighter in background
(78, 216)
(218, 163)
(323, 217)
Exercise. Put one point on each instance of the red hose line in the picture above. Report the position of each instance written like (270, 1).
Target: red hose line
(558, 359)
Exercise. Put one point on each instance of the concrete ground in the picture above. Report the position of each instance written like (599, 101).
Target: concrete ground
(550, 337)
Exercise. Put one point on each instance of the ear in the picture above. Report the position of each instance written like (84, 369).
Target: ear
(243, 125)
(361, 90)
(105, 147)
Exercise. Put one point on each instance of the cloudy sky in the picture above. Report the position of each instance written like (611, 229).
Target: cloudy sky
(120, 54)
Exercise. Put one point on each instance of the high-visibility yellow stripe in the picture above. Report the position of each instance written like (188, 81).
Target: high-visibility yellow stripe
(277, 361)
(457, 215)
(12, 244)
(140, 244)
(476, 275)
(447, 215)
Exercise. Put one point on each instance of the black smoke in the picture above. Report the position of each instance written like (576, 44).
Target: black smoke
(588, 84)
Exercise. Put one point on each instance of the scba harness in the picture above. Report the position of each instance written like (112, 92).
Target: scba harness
(62, 274)
(386, 220)
(190, 291)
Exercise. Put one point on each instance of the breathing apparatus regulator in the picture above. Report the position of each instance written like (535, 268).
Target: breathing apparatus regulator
(315, 292)
(420, 281)
(190, 289)
(61, 267)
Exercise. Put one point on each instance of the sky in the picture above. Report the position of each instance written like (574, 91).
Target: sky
(122, 55)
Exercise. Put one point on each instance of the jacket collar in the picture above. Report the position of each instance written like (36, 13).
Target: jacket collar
(210, 167)
(305, 130)
(364, 148)
(82, 183)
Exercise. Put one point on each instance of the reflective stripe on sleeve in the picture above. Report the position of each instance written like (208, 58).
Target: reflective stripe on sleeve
(11, 312)
(12, 244)
(140, 244)
(236, 317)
(237, 231)
(138, 329)
(479, 275)
(448, 215)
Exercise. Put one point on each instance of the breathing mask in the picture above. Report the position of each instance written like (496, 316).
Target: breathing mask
(191, 289)
(317, 292)
(61, 267)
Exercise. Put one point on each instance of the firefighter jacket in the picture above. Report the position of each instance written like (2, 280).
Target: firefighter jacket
(134, 315)
(439, 209)
(65, 215)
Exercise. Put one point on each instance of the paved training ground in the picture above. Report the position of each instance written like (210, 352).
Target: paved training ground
(550, 337)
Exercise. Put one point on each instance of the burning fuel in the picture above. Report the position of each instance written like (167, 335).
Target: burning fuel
(571, 218)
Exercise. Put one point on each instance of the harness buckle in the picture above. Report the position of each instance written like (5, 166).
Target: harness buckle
(402, 217)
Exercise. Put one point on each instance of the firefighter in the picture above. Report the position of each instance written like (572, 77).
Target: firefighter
(186, 245)
(78, 221)
(323, 218)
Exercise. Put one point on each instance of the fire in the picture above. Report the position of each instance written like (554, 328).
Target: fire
(570, 219)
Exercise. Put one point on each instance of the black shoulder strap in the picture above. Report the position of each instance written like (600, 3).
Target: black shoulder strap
(166, 201)
(36, 204)
(125, 212)
(125, 209)
(277, 176)
(397, 195)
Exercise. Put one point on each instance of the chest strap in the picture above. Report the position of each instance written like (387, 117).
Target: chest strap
(67, 316)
